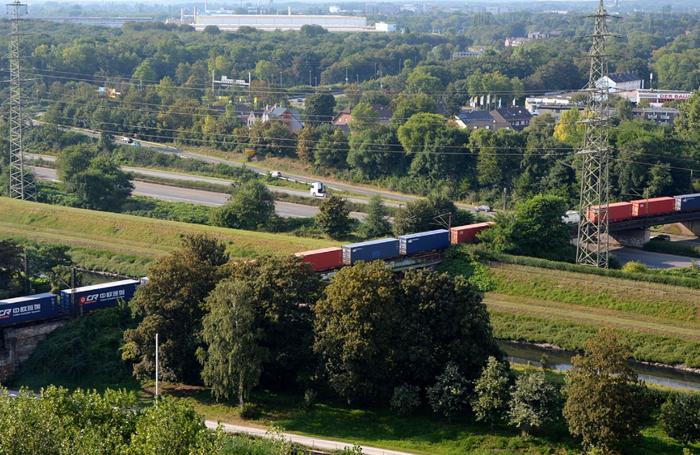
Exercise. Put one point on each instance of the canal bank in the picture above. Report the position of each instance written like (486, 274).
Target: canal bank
(560, 360)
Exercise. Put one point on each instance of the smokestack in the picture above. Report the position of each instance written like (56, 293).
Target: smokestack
(206, 6)
(289, 10)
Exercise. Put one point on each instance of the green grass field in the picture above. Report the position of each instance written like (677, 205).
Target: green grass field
(659, 321)
(132, 235)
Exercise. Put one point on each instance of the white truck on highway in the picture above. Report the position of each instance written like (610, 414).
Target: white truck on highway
(317, 189)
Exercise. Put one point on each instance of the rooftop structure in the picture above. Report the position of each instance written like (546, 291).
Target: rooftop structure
(621, 81)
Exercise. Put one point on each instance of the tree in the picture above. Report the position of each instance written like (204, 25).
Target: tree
(375, 223)
(443, 321)
(604, 405)
(251, 207)
(405, 399)
(490, 402)
(144, 74)
(364, 116)
(285, 292)
(93, 181)
(232, 361)
(271, 138)
(430, 213)
(409, 105)
(319, 108)
(533, 402)
(535, 229)
(680, 416)
(373, 152)
(355, 324)
(450, 394)
(688, 121)
(172, 306)
(306, 144)
(11, 264)
(332, 150)
(570, 129)
(333, 217)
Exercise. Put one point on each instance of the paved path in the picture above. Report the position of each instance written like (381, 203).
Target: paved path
(652, 260)
(322, 444)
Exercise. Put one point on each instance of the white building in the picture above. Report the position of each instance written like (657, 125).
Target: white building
(533, 103)
(655, 97)
(618, 82)
(232, 22)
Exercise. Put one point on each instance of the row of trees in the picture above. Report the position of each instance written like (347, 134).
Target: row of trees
(271, 321)
(59, 422)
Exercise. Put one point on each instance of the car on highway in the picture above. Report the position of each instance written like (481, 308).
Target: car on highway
(276, 174)
(484, 208)
(662, 238)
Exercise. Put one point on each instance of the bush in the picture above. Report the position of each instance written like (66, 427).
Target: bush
(406, 399)
(634, 267)
(309, 400)
(450, 394)
(680, 416)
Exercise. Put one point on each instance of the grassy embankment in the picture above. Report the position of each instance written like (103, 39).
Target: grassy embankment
(660, 321)
(97, 236)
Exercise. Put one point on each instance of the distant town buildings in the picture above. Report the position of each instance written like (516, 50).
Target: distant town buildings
(512, 118)
(618, 82)
(343, 119)
(93, 20)
(531, 36)
(466, 54)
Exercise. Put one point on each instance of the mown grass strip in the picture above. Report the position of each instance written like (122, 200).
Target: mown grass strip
(134, 235)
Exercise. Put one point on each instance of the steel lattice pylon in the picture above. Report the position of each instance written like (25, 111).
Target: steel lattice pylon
(21, 180)
(592, 248)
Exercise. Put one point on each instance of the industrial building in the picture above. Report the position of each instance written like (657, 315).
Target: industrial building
(228, 21)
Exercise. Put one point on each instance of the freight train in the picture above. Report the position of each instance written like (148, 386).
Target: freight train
(623, 211)
(327, 259)
(41, 307)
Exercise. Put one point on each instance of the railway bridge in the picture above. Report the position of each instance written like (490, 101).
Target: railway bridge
(635, 232)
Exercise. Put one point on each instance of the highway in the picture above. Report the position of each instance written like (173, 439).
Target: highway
(195, 178)
(362, 190)
(208, 198)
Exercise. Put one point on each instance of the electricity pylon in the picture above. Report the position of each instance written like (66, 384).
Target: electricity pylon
(21, 181)
(592, 247)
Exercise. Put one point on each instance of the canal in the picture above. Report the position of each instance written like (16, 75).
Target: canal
(523, 353)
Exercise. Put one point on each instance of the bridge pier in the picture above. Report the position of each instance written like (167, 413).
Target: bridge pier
(635, 238)
(689, 227)
(17, 344)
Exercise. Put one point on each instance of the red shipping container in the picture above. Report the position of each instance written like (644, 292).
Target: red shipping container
(618, 211)
(467, 234)
(653, 206)
(323, 259)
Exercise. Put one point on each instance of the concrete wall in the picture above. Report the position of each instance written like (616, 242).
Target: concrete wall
(18, 344)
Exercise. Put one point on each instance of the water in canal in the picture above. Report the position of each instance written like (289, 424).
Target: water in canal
(561, 361)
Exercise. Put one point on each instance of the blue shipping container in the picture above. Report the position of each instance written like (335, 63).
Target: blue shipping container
(30, 308)
(424, 241)
(687, 202)
(370, 251)
(99, 296)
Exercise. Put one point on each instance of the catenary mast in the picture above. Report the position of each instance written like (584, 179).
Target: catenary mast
(592, 246)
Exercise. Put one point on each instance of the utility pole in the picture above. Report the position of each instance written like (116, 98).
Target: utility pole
(21, 181)
(156, 366)
(592, 246)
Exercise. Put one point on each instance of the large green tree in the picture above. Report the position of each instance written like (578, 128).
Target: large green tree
(319, 108)
(534, 402)
(355, 330)
(433, 212)
(172, 306)
(605, 401)
(284, 291)
(233, 357)
(375, 223)
(251, 207)
(93, 181)
(333, 217)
